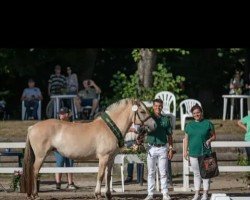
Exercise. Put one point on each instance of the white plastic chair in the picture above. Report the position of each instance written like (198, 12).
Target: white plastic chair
(185, 110)
(24, 114)
(169, 105)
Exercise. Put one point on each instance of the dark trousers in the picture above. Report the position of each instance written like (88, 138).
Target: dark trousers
(248, 154)
(140, 171)
(31, 108)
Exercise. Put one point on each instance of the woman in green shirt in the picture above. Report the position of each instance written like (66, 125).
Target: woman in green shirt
(198, 135)
(245, 124)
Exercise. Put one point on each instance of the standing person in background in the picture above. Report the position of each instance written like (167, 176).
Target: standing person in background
(236, 88)
(64, 115)
(72, 82)
(236, 83)
(57, 82)
(199, 134)
(247, 86)
(158, 150)
(245, 125)
(31, 97)
(130, 140)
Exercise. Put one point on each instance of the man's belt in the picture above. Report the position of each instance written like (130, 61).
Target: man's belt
(157, 145)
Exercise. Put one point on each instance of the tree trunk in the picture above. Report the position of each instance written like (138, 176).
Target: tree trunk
(88, 64)
(146, 65)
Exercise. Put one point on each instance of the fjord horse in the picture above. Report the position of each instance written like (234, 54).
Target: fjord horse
(82, 141)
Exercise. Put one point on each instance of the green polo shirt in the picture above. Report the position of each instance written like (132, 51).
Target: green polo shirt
(246, 121)
(198, 133)
(163, 128)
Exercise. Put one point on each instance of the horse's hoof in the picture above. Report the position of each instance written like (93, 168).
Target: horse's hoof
(98, 196)
(108, 196)
(29, 198)
(36, 197)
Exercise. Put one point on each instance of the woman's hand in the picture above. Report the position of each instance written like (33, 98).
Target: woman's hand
(208, 143)
(185, 155)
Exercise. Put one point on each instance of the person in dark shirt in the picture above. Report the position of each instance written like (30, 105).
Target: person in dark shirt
(57, 82)
(158, 150)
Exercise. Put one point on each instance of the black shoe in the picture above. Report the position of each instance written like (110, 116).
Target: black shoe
(128, 180)
(58, 186)
(144, 181)
(72, 186)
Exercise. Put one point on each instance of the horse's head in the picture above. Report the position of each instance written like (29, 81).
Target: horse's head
(142, 115)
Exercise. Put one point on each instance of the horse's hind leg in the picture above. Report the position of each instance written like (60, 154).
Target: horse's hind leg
(36, 167)
(102, 166)
(108, 178)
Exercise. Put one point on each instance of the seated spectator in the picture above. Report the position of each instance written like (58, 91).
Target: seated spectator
(57, 82)
(130, 140)
(72, 82)
(247, 86)
(31, 97)
(64, 115)
(88, 97)
(236, 83)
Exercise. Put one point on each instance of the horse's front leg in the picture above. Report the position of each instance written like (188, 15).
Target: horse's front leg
(108, 178)
(102, 166)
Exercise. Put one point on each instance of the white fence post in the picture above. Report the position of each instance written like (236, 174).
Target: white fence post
(185, 171)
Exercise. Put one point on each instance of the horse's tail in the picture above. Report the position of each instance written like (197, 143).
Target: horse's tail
(28, 172)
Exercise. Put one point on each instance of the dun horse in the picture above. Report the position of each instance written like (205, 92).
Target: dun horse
(99, 139)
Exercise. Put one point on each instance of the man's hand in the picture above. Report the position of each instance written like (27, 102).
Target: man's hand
(91, 83)
(170, 154)
(132, 130)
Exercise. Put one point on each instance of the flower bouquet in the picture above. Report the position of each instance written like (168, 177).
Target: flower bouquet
(15, 183)
(134, 149)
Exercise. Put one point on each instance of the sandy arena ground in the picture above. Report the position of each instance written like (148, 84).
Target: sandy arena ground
(233, 184)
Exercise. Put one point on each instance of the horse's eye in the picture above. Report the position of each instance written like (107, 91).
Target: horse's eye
(143, 112)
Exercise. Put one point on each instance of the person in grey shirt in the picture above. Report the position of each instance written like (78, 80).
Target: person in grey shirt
(88, 97)
(31, 97)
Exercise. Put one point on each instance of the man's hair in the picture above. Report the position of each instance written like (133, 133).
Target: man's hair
(196, 106)
(157, 101)
(31, 80)
(58, 67)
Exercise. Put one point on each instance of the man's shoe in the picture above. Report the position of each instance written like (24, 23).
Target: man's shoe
(144, 181)
(204, 196)
(149, 197)
(128, 180)
(71, 186)
(196, 197)
(166, 197)
(58, 186)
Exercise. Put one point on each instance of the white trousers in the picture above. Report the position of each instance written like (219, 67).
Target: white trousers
(197, 176)
(157, 155)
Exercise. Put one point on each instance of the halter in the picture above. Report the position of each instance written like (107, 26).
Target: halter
(137, 114)
(111, 124)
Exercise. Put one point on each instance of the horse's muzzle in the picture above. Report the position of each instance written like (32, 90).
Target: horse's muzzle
(151, 124)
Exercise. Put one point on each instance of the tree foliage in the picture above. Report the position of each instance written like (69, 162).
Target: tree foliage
(128, 86)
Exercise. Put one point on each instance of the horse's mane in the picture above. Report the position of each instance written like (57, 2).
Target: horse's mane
(122, 101)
